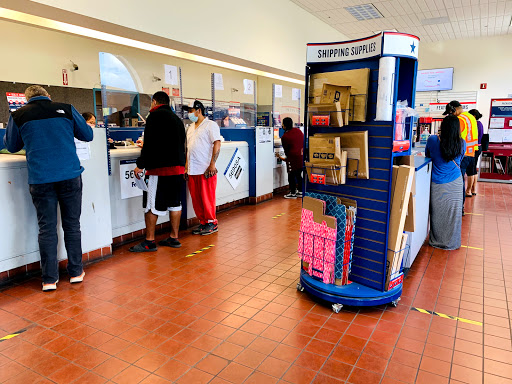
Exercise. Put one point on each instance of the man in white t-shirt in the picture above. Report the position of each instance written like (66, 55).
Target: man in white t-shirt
(203, 148)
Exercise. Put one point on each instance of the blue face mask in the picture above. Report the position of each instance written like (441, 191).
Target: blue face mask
(193, 118)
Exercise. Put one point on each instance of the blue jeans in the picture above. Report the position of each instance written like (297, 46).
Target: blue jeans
(46, 197)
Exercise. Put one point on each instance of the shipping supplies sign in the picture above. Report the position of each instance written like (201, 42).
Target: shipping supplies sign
(127, 179)
(15, 101)
(235, 169)
(345, 51)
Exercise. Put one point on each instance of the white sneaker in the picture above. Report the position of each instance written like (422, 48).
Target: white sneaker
(50, 287)
(290, 196)
(77, 279)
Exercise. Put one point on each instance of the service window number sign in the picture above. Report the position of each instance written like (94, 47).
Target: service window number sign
(127, 179)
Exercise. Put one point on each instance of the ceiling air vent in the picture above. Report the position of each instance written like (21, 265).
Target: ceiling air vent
(364, 12)
(436, 20)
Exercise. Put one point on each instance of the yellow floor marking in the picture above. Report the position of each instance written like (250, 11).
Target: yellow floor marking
(467, 246)
(12, 335)
(201, 250)
(281, 214)
(474, 214)
(447, 316)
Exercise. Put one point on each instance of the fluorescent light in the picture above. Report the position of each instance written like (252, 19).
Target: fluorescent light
(364, 12)
(91, 33)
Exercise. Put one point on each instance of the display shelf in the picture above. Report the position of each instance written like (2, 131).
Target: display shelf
(373, 195)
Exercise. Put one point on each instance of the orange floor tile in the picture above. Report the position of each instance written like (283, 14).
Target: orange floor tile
(232, 314)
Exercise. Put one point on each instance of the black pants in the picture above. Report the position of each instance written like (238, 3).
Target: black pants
(46, 197)
(464, 164)
(295, 180)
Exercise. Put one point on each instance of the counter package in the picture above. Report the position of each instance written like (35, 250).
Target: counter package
(326, 237)
(402, 179)
(328, 163)
(333, 109)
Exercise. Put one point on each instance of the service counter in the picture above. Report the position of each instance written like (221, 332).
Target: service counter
(18, 227)
(127, 212)
(416, 239)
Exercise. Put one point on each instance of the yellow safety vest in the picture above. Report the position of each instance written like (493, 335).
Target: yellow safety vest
(469, 132)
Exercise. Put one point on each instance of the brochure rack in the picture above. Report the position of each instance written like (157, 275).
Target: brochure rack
(373, 195)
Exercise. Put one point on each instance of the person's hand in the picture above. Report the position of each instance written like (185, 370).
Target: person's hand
(137, 172)
(110, 140)
(140, 143)
(185, 176)
(210, 171)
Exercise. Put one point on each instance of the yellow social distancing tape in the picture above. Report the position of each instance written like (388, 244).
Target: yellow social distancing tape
(474, 214)
(201, 250)
(281, 214)
(447, 316)
(12, 335)
(467, 246)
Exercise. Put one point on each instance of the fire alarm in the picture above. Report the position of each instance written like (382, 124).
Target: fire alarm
(483, 86)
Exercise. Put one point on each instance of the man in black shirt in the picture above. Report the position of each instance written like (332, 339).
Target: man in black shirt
(163, 159)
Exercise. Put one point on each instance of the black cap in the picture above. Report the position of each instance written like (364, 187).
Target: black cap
(195, 105)
(451, 106)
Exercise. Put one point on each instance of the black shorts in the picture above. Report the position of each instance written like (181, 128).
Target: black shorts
(164, 194)
(472, 171)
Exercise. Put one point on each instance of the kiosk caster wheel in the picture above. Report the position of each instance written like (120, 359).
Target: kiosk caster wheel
(395, 303)
(300, 288)
(336, 308)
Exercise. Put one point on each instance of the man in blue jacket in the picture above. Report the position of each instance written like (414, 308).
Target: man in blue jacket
(47, 131)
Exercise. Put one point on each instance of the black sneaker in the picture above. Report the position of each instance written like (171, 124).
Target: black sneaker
(290, 196)
(198, 230)
(299, 194)
(209, 228)
(170, 242)
(145, 246)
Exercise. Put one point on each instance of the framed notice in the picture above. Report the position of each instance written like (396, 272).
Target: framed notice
(235, 169)
(127, 179)
(16, 101)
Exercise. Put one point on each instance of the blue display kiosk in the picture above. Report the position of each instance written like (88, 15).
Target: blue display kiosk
(373, 195)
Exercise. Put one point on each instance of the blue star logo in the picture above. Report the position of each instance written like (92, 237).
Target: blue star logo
(412, 47)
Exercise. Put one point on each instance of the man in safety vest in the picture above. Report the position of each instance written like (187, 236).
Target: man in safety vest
(469, 132)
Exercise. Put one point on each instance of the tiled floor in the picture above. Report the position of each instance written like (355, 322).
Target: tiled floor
(232, 314)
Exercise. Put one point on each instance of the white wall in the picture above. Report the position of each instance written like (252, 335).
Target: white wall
(270, 32)
(41, 55)
(476, 61)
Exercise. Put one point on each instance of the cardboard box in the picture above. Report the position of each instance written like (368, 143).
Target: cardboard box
(356, 145)
(333, 110)
(408, 160)
(327, 159)
(410, 225)
(357, 79)
(337, 94)
(399, 207)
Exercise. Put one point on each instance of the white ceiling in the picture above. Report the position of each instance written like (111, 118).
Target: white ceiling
(467, 18)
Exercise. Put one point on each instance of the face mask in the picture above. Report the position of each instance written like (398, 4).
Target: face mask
(193, 117)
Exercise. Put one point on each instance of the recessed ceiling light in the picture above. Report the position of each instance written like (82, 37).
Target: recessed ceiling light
(436, 20)
(386, 30)
(364, 12)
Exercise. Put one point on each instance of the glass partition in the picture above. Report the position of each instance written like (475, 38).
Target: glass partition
(286, 102)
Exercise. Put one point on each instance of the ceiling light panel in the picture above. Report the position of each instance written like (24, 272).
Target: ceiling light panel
(364, 12)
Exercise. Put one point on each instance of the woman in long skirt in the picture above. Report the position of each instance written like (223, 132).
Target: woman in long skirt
(446, 152)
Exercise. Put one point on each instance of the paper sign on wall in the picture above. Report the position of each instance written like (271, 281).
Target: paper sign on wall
(496, 135)
(235, 169)
(278, 90)
(218, 81)
(15, 101)
(265, 134)
(248, 87)
(295, 94)
(497, 122)
(171, 74)
(507, 135)
(127, 179)
(83, 149)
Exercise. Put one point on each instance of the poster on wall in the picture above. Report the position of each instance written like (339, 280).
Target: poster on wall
(248, 87)
(127, 180)
(83, 149)
(265, 135)
(15, 101)
(235, 169)
(278, 90)
(218, 81)
(295, 94)
(171, 74)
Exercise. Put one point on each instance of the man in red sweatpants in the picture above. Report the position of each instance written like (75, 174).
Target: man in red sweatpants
(203, 148)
